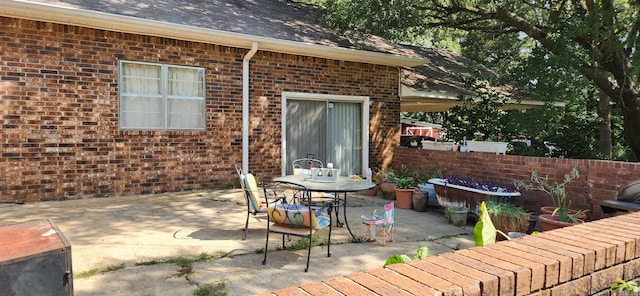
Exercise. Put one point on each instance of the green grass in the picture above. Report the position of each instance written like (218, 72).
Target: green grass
(220, 289)
(184, 263)
(303, 243)
(92, 272)
(181, 261)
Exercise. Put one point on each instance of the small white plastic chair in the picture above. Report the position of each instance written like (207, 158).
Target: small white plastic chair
(379, 228)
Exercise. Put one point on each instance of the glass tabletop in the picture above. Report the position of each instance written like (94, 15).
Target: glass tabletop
(343, 184)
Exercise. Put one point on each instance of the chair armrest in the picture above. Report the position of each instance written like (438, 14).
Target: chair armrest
(614, 205)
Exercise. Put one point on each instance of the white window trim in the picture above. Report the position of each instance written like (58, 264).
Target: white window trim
(364, 100)
(164, 69)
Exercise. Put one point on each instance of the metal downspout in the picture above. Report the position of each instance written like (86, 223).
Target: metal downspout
(245, 106)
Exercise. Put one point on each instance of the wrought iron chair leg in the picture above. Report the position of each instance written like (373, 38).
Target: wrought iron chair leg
(246, 227)
(309, 253)
(266, 249)
(330, 222)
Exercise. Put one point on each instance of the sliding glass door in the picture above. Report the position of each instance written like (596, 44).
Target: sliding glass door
(327, 128)
(306, 131)
(344, 137)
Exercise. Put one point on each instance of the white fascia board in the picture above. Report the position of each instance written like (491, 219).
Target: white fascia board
(408, 94)
(536, 103)
(127, 24)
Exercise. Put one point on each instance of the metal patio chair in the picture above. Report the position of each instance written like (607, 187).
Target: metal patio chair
(293, 219)
(251, 192)
(303, 166)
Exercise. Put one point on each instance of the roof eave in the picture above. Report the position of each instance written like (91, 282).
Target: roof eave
(127, 24)
(412, 100)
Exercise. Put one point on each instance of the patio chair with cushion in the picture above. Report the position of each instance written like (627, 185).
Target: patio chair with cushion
(251, 191)
(293, 219)
(379, 228)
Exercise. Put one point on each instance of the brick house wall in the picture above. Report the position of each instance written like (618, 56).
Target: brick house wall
(59, 112)
(599, 179)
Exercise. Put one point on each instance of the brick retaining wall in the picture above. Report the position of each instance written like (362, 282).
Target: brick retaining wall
(578, 260)
(599, 179)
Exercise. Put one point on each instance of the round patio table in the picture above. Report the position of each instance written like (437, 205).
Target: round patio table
(340, 188)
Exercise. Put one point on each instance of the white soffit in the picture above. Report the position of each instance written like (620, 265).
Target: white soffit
(424, 101)
(127, 24)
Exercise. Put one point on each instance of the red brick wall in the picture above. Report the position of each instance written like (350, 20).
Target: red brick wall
(599, 179)
(59, 112)
(578, 260)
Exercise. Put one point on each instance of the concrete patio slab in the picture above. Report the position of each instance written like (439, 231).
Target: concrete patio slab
(122, 233)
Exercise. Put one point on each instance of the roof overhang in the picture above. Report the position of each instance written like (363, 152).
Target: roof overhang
(424, 101)
(113, 22)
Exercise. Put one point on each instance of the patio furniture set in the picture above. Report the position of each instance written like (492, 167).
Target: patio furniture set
(302, 204)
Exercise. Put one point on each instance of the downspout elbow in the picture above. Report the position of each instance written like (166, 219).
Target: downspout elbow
(249, 55)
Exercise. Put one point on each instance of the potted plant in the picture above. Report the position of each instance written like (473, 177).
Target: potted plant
(376, 178)
(426, 192)
(404, 192)
(388, 179)
(562, 215)
(456, 213)
(507, 217)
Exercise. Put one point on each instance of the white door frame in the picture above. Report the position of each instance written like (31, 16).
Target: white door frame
(364, 100)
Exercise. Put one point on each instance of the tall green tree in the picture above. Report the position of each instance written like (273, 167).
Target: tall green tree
(597, 39)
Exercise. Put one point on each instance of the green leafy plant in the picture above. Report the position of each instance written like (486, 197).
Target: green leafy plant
(386, 175)
(422, 253)
(507, 217)
(484, 232)
(625, 286)
(405, 183)
(424, 173)
(478, 118)
(558, 193)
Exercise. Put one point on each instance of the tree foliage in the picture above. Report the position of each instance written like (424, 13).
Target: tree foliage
(546, 44)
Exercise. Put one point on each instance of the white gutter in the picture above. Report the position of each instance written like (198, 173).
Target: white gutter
(120, 23)
(245, 106)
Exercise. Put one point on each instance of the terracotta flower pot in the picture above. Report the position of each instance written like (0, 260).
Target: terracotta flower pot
(549, 222)
(371, 192)
(404, 198)
(388, 190)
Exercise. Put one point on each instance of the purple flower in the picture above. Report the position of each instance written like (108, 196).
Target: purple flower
(492, 186)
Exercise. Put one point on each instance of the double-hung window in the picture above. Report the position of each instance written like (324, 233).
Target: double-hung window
(161, 97)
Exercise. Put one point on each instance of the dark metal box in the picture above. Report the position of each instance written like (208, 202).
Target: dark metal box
(35, 259)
